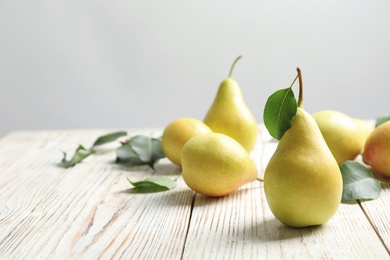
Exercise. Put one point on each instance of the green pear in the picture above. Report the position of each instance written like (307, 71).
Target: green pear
(215, 164)
(344, 135)
(302, 180)
(177, 133)
(230, 115)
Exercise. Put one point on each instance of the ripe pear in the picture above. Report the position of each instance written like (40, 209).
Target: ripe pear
(365, 129)
(377, 150)
(344, 135)
(177, 133)
(230, 115)
(302, 180)
(215, 165)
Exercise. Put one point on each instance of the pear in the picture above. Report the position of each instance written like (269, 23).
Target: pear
(215, 165)
(230, 115)
(365, 129)
(177, 133)
(302, 180)
(344, 135)
(377, 150)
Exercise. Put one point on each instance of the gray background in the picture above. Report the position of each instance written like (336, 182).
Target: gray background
(124, 64)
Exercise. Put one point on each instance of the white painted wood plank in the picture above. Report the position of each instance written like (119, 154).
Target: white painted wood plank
(378, 212)
(241, 226)
(84, 212)
(87, 212)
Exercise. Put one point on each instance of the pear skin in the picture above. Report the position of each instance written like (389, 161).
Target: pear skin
(215, 165)
(177, 133)
(302, 181)
(230, 115)
(365, 129)
(377, 150)
(344, 135)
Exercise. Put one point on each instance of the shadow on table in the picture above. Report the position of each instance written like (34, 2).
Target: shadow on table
(271, 229)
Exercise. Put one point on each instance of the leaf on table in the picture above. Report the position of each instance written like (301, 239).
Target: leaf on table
(142, 146)
(280, 109)
(382, 119)
(358, 182)
(140, 150)
(126, 154)
(153, 184)
(80, 154)
(157, 152)
(108, 138)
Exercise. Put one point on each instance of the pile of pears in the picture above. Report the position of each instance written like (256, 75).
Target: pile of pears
(215, 153)
(348, 138)
(302, 180)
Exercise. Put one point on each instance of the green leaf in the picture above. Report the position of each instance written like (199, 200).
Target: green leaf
(157, 152)
(153, 184)
(280, 109)
(126, 154)
(358, 182)
(140, 150)
(382, 119)
(142, 146)
(80, 154)
(108, 138)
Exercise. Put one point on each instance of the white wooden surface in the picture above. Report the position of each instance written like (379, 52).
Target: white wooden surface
(88, 211)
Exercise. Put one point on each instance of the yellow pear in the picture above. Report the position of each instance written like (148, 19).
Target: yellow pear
(177, 133)
(215, 165)
(302, 180)
(344, 135)
(230, 115)
(377, 150)
(365, 127)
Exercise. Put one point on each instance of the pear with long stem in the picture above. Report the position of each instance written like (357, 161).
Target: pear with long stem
(302, 181)
(230, 115)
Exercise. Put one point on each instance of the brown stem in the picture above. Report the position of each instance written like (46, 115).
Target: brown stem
(234, 63)
(259, 179)
(300, 97)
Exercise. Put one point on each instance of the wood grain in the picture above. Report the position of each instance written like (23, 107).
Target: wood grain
(90, 212)
(378, 212)
(87, 211)
(242, 226)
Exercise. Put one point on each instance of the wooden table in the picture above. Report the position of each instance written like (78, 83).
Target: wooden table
(88, 211)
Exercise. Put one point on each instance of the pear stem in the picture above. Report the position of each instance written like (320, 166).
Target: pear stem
(234, 63)
(300, 97)
(259, 179)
